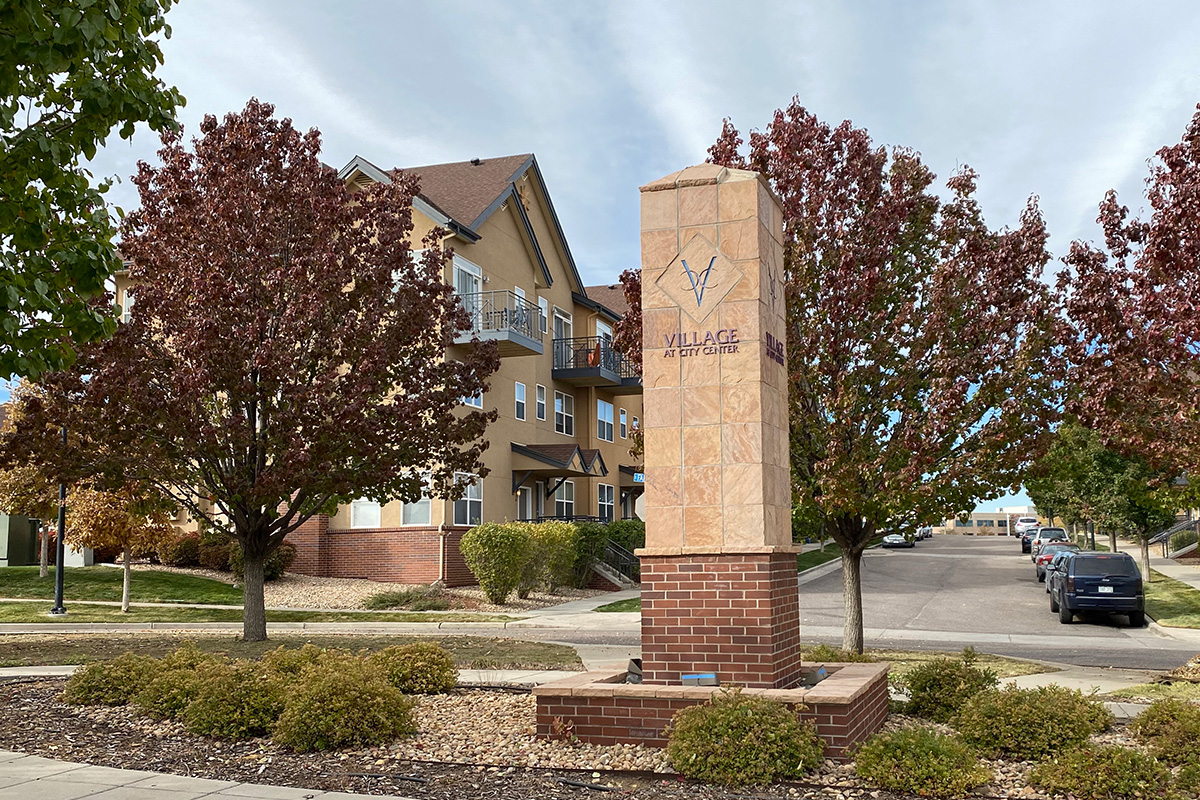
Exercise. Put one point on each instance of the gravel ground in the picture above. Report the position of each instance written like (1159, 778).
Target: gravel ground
(308, 592)
(471, 745)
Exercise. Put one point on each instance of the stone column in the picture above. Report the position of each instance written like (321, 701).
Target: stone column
(719, 590)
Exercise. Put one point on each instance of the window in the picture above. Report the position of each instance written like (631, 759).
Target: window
(963, 523)
(468, 510)
(626, 505)
(635, 425)
(126, 306)
(1001, 523)
(364, 513)
(564, 499)
(543, 313)
(420, 512)
(624, 426)
(475, 401)
(562, 324)
(604, 333)
(564, 413)
(541, 402)
(524, 503)
(605, 503)
(468, 285)
(985, 523)
(539, 499)
(604, 420)
(520, 400)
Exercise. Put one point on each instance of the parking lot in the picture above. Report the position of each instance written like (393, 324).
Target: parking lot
(951, 591)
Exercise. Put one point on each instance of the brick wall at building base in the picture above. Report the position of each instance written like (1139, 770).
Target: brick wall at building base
(847, 707)
(398, 555)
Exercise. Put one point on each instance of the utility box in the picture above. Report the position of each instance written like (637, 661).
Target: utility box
(18, 541)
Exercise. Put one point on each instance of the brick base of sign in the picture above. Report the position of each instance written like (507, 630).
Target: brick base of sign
(398, 555)
(734, 614)
(600, 708)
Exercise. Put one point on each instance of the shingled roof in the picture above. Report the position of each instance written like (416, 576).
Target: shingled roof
(466, 190)
(611, 297)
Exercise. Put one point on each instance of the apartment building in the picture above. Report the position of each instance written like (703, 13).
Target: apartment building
(567, 402)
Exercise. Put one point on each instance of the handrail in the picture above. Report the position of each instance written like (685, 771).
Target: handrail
(1167, 533)
(622, 561)
(590, 352)
(502, 310)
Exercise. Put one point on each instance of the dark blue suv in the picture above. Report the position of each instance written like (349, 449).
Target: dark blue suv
(1107, 582)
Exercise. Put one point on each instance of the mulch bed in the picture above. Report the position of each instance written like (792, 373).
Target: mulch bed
(34, 720)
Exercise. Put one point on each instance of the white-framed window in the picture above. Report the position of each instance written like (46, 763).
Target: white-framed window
(126, 305)
(544, 313)
(624, 425)
(604, 332)
(468, 510)
(468, 285)
(541, 401)
(635, 425)
(604, 420)
(364, 513)
(420, 512)
(519, 292)
(475, 401)
(604, 503)
(563, 324)
(519, 402)
(524, 504)
(564, 413)
(564, 499)
(626, 505)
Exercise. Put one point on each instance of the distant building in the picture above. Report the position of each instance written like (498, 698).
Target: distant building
(984, 523)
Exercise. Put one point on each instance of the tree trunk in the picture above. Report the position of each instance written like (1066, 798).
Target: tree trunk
(822, 544)
(1112, 540)
(125, 583)
(1147, 576)
(852, 633)
(254, 613)
(44, 566)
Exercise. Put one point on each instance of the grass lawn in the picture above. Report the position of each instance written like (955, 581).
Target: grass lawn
(470, 652)
(1172, 603)
(631, 604)
(39, 612)
(1181, 690)
(104, 583)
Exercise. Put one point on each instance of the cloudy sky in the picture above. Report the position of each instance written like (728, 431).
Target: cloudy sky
(1062, 100)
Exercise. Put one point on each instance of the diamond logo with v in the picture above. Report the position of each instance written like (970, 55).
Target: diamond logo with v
(699, 278)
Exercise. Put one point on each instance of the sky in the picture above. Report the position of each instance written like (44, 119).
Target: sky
(1059, 100)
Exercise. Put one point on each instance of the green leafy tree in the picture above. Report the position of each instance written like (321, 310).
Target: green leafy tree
(70, 72)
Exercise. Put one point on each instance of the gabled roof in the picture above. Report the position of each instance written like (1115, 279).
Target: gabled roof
(564, 459)
(467, 190)
(611, 297)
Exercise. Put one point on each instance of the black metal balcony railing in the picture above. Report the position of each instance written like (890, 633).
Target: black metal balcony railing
(592, 352)
(502, 311)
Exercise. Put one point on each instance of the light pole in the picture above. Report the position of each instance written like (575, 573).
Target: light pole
(60, 550)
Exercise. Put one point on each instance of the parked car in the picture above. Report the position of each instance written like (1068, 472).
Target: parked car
(1027, 539)
(924, 533)
(1023, 524)
(1105, 582)
(1056, 565)
(1047, 554)
(1045, 536)
(898, 540)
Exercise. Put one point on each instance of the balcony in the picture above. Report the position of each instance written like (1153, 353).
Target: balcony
(504, 318)
(591, 361)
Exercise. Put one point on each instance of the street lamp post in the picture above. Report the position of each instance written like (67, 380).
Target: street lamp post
(60, 550)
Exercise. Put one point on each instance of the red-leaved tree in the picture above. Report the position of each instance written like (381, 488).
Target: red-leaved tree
(920, 342)
(287, 349)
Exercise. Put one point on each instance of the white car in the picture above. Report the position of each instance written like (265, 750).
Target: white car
(1023, 524)
(898, 540)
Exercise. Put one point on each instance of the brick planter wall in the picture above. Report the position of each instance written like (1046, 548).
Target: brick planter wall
(847, 707)
(398, 555)
(735, 614)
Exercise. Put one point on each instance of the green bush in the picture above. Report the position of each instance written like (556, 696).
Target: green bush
(537, 554)
(239, 701)
(1188, 779)
(939, 688)
(417, 668)
(276, 564)
(629, 533)
(496, 554)
(559, 542)
(169, 693)
(215, 555)
(1101, 772)
(179, 551)
(1030, 723)
(110, 683)
(738, 740)
(1171, 729)
(342, 705)
(428, 598)
(589, 546)
(921, 762)
(825, 654)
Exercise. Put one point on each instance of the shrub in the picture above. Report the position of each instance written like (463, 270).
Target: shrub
(273, 568)
(496, 554)
(558, 541)
(921, 762)
(1102, 771)
(1030, 722)
(1188, 779)
(110, 683)
(343, 705)
(235, 702)
(939, 688)
(417, 668)
(737, 740)
(1171, 729)
(422, 599)
(285, 662)
(589, 546)
(629, 533)
(214, 555)
(537, 554)
(824, 653)
(179, 551)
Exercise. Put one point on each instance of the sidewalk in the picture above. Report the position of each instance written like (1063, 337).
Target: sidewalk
(36, 778)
